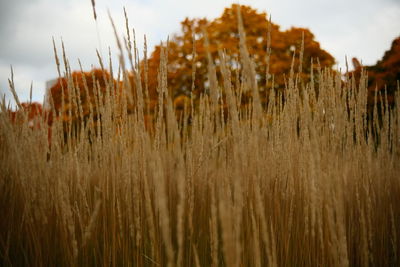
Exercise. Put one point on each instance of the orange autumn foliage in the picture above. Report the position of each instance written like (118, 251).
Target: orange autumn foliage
(34, 115)
(223, 34)
(33, 110)
(82, 90)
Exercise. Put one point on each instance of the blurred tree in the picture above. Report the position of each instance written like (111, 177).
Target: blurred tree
(80, 95)
(223, 34)
(30, 112)
(384, 74)
(80, 91)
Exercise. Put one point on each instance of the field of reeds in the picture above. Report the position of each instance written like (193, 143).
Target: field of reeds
(310, 179)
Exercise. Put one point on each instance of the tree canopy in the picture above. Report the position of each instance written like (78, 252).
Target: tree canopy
(223, 34)
(385, 74)
(80, 91)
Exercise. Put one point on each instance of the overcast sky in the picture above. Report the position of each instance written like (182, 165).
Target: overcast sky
(356, 28)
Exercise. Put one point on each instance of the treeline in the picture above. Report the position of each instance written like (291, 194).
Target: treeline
(196, 53)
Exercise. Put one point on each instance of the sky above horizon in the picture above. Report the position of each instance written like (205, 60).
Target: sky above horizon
(352, 28)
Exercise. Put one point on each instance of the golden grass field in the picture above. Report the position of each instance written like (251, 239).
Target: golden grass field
(308, 181)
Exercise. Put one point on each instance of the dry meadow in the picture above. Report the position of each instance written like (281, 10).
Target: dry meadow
(309, 179)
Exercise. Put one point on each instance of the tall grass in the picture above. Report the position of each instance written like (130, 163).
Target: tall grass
(305, 181)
